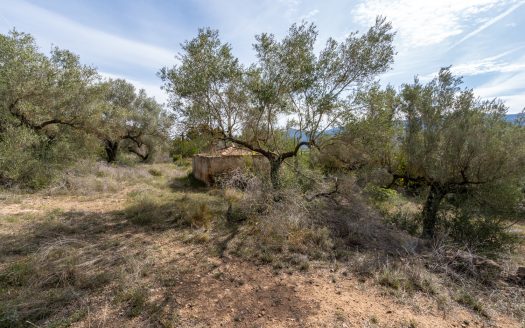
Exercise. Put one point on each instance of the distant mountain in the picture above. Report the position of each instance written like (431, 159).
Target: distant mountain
(511, 117)
(294, 133)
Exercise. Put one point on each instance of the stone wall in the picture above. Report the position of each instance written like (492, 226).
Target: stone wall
(206, 168)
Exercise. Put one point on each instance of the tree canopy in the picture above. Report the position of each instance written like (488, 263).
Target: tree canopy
(443, 140)
(288, 83)
(53, 108)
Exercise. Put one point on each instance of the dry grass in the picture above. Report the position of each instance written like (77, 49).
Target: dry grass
(275, 227)
(130, 265)
(396, 209)
(94, 178)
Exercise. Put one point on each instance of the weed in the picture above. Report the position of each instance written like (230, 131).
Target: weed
(149, 210)
(155, 172)
(408, 279)
(379, 194)
(392, 278)
(340, 315)
(201, 216)
(16, 274)
(201, 237)
(67, 322)
(443, 304)
(134, 300)
(466, 299)
(421, 279)
(409, 324)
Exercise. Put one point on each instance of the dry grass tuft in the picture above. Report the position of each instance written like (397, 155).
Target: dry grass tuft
(467, 299)
(91, 178)
(277, 226)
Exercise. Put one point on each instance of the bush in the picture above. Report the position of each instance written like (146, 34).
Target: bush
(34, 161)
(135, 300)
(279, 227)
(155, 172)
(466, 299)
(379, 194)
(199, 216)
(482, 234)
(406, 221)
(408, 278)
(153, 210)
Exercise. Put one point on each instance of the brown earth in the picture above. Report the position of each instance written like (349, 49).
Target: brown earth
(189, 287)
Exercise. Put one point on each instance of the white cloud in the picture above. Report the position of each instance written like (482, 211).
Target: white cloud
(493, 64)
(93, 45)
(490, 22)
(292, 6)
(509, 87)
(487, 66)
(502, 86)
(516, 103)
(424, 23)
(309, 15)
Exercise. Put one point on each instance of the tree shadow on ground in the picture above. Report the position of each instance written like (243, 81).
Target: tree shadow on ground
(69, 266)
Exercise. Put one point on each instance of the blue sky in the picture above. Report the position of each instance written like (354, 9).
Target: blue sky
(484, 40)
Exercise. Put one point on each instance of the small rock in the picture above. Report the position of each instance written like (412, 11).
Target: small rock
(520, 273)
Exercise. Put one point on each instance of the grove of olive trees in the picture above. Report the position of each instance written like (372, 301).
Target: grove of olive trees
(53, 110)
(407, 198)
(436, 139)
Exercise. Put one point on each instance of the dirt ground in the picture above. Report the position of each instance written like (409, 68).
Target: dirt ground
(191, 287)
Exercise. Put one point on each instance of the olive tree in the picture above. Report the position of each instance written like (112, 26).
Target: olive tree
(44, 99)
(370, 139)
(40, 92)
(128, 118)
(289, 88)
(456, 144)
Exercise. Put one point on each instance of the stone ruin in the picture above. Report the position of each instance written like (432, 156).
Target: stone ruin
(206, 167)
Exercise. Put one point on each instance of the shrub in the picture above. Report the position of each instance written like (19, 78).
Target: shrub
(408, 278)
(483, 234)
(406, 221)
(33, 161)
(279, 227)
(144, 212)
(135, 300)
(200, 216)
(16, 274)
(155, 172)
(379, 194)
(147, 210)
(466, 299)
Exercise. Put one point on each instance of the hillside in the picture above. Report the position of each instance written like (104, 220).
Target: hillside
(136, 247)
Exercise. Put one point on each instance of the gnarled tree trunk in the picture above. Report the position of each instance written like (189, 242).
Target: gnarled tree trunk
(143, 156)
(111, 148)
(275, 165)
(435, 195)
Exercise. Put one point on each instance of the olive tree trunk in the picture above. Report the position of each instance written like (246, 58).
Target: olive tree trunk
(275, 166)
(111, 148)
(431, 208)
